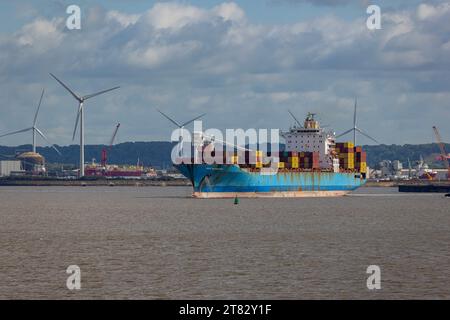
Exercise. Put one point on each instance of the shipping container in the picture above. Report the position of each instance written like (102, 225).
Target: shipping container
(295, 163)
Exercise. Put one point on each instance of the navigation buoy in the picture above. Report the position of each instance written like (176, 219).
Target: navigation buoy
(236, 200)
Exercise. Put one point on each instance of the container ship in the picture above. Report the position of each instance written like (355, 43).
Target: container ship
(312, 165)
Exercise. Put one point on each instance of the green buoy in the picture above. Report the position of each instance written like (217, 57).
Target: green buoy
(236, 200)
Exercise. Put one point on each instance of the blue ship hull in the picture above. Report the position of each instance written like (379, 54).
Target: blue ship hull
(226, 181)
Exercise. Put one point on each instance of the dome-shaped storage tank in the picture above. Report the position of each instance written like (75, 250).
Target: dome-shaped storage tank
(32, 162)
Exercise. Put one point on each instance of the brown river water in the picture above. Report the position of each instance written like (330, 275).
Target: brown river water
(158, 243)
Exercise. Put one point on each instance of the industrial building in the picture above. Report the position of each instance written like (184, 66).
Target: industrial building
(27, 163)
(418, 170)
(8, 167)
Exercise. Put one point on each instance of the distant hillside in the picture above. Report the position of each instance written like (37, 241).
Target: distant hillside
(157, 154)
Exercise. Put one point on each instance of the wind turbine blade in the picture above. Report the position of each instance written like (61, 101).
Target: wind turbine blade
(76, 123)
(45, 138)
(39, 106)
(66, 87)
(344, 133)
(292, 115)
(168, 118)
(15, 132)
(99, 93)
(366, 135)
(190, 121)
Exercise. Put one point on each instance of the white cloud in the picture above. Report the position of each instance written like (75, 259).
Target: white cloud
(229, 11)
(158, 55)
(124, 19)
(185, 58)
(429, 11)
(173, 15)
(40, 35)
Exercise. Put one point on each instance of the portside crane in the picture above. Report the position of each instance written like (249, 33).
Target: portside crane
(444, 155)
(105, 150)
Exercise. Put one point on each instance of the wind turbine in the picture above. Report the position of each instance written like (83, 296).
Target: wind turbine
(180, 126)
(34, 129)
(356, 129)
(80, 117)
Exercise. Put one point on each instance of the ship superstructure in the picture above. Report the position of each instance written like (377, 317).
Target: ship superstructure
(311, 138)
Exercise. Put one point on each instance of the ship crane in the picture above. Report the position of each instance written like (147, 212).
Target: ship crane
(105, 149)
(296, 120)
(444, 155)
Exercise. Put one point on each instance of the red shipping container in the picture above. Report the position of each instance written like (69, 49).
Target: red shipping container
(363, 156)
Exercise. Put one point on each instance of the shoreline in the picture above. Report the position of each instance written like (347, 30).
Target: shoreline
(92, 183)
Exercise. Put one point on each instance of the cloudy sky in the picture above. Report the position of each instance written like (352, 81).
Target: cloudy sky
(244, 63)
